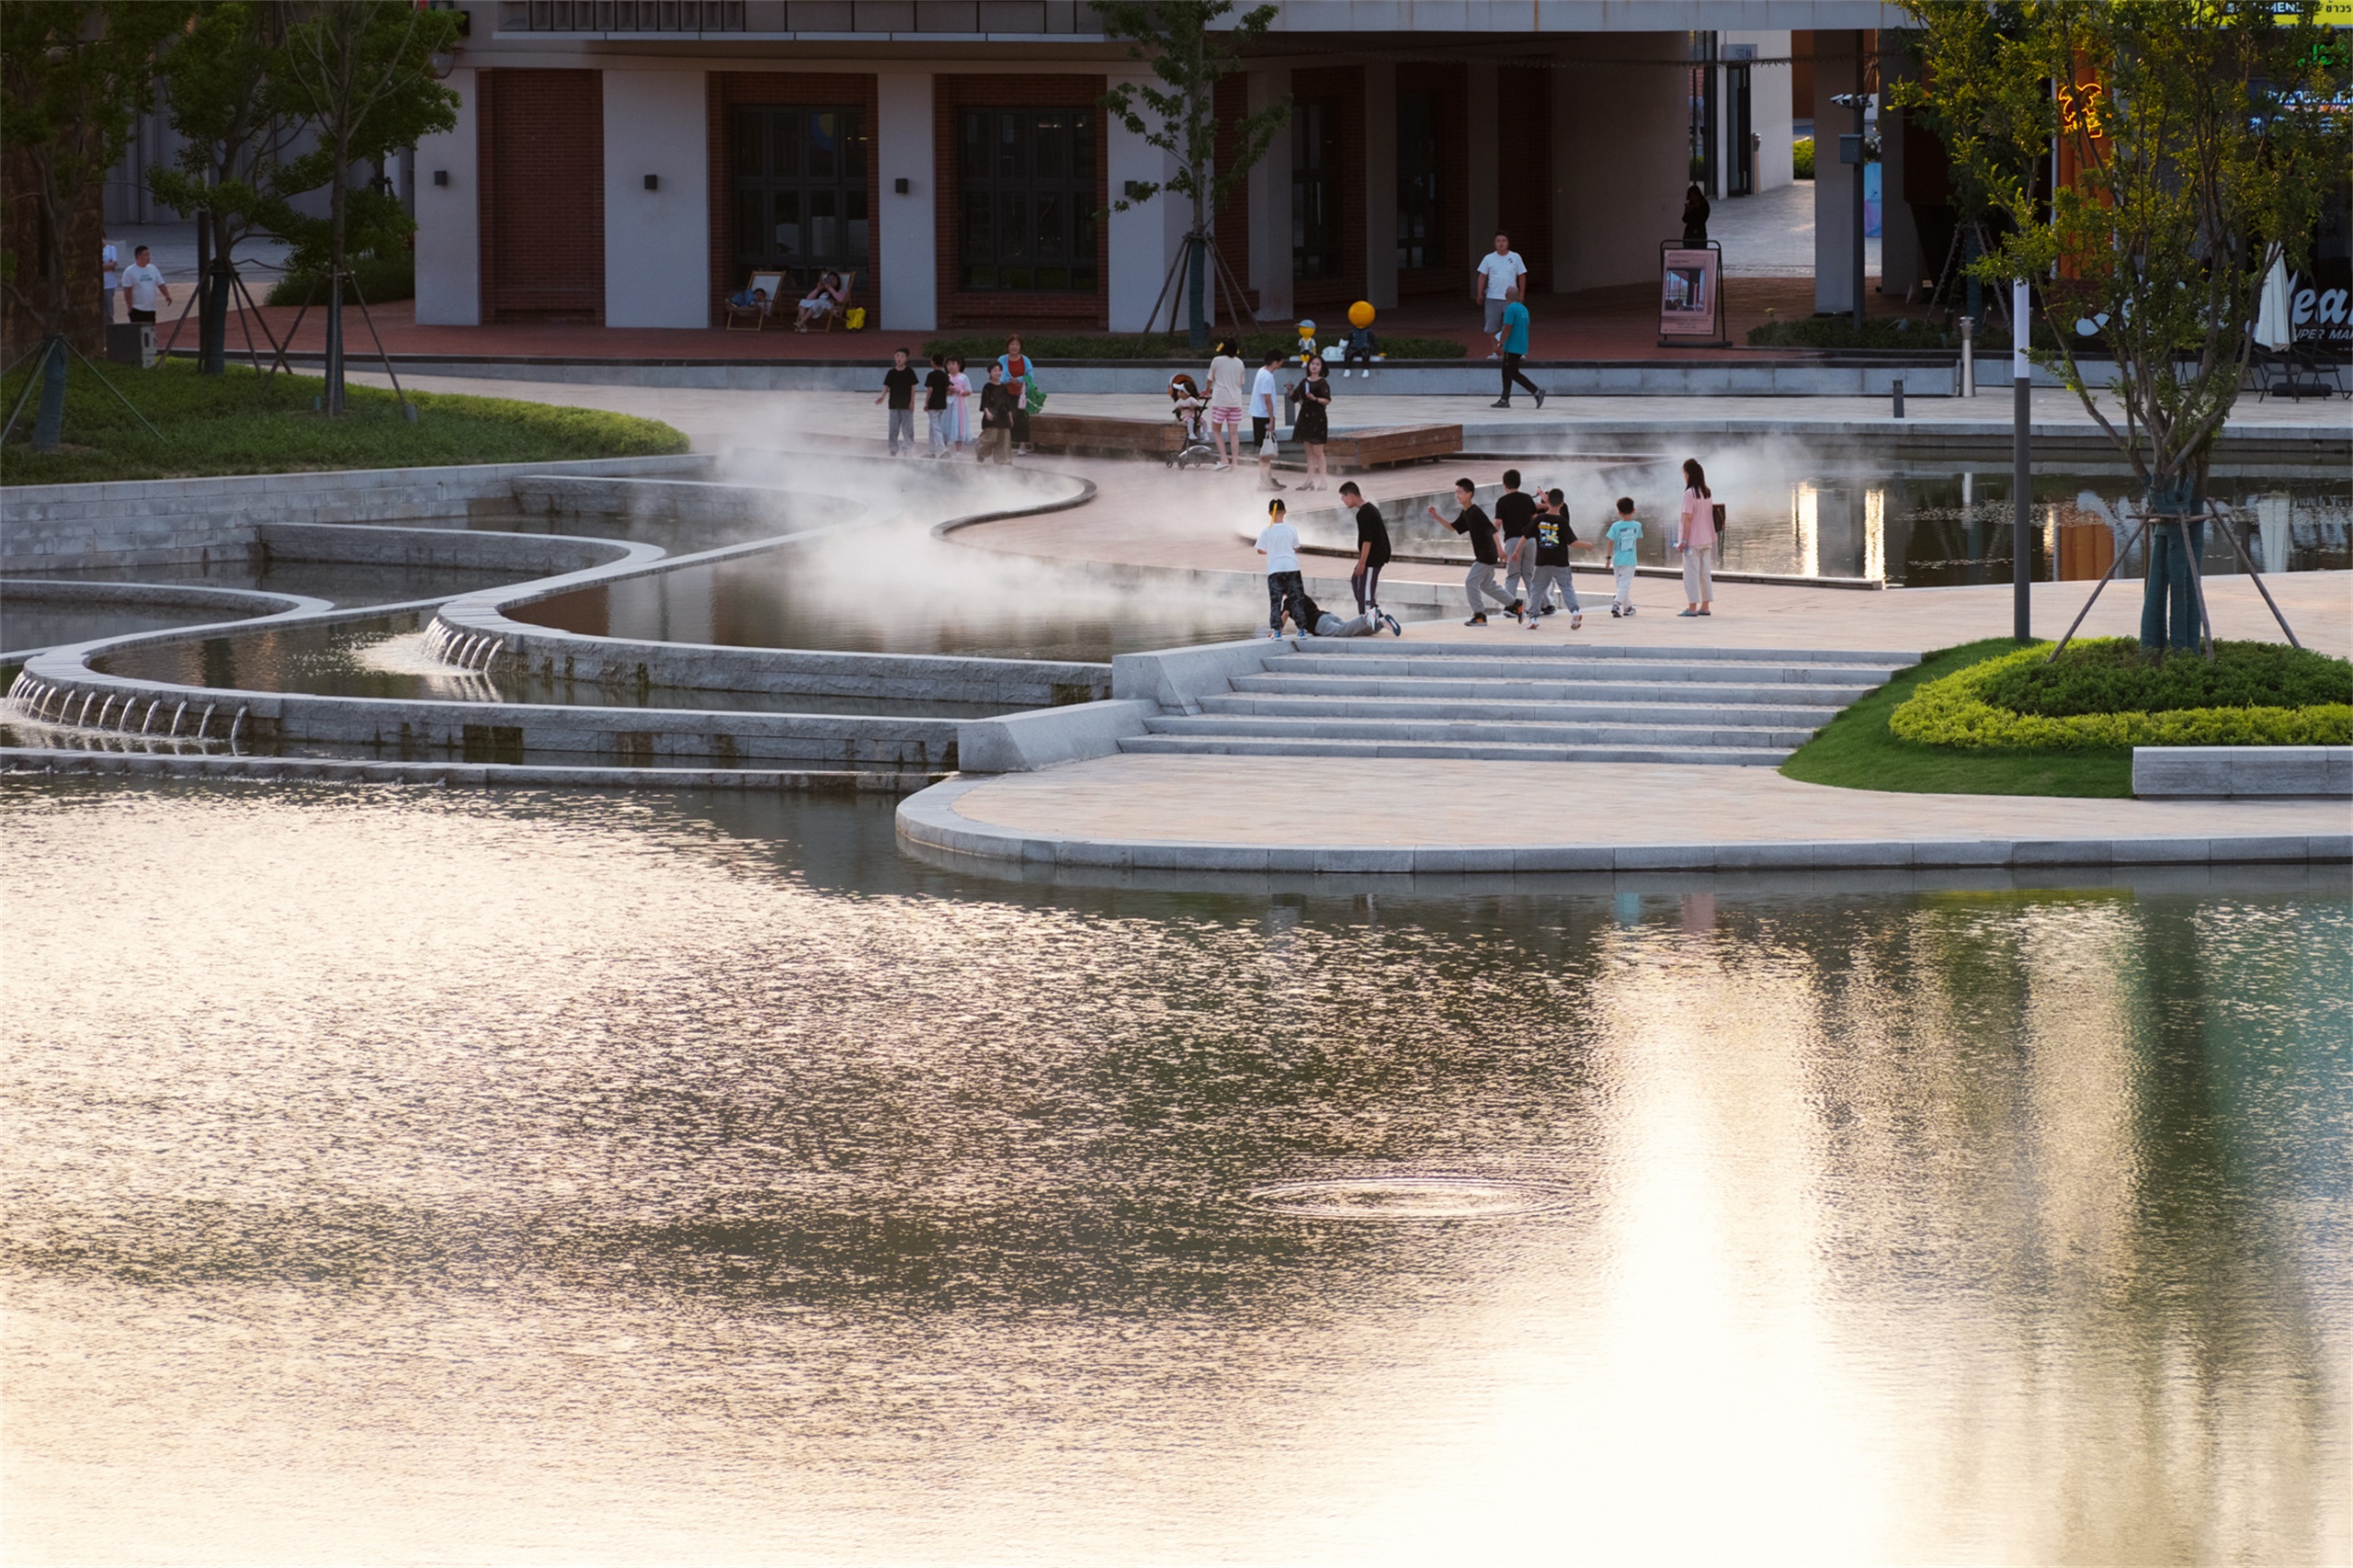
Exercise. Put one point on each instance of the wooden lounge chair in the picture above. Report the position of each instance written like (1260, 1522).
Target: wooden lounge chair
(841, 306)
(773, 282)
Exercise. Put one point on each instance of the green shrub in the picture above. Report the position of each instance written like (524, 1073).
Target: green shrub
(1802, 158)
(379, 279)
(1955, 711)
(2114, 675)
(1175, 348)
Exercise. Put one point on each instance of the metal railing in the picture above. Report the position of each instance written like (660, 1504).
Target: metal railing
(621, 16)
(956, 17)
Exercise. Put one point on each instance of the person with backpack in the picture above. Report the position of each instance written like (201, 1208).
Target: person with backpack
(1696, 537)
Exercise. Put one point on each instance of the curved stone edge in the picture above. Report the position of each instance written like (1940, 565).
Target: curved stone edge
(257, 604)
(21, 761)
(930, 820)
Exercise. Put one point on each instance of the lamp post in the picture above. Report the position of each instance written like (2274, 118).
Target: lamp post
(2021, 469)
(1850, 151)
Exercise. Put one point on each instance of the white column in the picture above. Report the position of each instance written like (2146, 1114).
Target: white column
(905, 231)
(1833, 191)
(1270, 260)
(1769, 107)
(1136, 245)
(657, 242)
(448, 218)
(1380, 183)
(1622, 172)
(1481, 126)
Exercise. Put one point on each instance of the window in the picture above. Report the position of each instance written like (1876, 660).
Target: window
(799, 188)
(1026, 179)
(1419, 227)
(1314, 189)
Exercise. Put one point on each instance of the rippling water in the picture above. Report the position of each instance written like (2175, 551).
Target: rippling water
(418, 1176)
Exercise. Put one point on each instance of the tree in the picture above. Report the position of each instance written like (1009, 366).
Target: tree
(74, 76)
(2200, 141)
(1189, 53)
(222, 84)
(360, 75)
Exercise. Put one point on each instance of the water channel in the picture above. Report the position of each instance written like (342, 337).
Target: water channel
(602, 1178)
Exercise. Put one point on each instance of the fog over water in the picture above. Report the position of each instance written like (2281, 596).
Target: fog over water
(424, 1175)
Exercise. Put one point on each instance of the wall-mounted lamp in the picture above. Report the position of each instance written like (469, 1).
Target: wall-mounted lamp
(902, 184)
(440, 176)
(654, 182)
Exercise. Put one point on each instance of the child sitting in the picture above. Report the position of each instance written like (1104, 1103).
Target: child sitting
(1360, 348)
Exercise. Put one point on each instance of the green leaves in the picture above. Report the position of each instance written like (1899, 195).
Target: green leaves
(1191, 55)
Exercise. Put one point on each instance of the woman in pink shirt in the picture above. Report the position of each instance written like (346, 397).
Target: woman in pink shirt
(1695, 536)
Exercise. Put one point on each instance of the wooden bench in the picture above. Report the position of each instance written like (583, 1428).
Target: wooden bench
(1094, 435)
(1353, 452)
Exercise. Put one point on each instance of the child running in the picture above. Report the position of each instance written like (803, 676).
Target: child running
(1551, 538)
(1471, 519)
(1623, 534)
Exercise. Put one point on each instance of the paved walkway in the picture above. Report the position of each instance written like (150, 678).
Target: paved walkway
(1408, 815)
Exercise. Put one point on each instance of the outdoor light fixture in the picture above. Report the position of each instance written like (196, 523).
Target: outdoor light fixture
(440, 176)
(899, 185)
(654, 182)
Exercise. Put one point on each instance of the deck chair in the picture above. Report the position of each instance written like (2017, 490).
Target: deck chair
(771, 281)
(841, 308)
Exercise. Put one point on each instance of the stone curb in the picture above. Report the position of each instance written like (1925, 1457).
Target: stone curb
(23, 760)
(929, 819)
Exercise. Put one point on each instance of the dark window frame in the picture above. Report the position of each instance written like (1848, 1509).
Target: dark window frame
(1421, 211)
(1026, 200)
(756, 158)
(1318, 246)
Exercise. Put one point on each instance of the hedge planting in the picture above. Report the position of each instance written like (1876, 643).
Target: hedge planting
(1956, 711)
(2116, 675)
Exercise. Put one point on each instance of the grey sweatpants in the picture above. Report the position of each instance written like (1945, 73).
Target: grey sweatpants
(1519, 578)
(1481, 579)
(1625, 576)
(902, 428)
(1543, 579)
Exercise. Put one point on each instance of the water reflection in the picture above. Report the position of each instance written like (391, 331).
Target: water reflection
(621, 1179)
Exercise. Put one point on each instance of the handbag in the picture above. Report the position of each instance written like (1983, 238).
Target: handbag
(854, 319)
(1716, 513)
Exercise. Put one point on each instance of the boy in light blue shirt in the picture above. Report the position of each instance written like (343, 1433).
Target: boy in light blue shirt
(1623, 535)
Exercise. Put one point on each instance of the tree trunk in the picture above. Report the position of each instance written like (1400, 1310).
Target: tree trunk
(212, 311)
(49, 425)
(336, 264)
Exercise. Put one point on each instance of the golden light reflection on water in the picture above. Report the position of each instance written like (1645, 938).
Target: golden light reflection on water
(416, 1175)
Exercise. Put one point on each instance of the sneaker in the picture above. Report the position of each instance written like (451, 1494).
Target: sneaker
(1576, 620)
(1500, 402)
(1549, 609)
(1615, 612)
(1390, 622)
(1478, 620)
(1630, 609)
(1515, 607)
(1535, 623)
(1540, 400)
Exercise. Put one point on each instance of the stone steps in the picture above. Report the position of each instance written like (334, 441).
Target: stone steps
(1558, 688)
(1527, 729)
(1392, 661)
(1293, 745)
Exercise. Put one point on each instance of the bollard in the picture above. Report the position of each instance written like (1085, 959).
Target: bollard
(1968, 358)
(1899, 397)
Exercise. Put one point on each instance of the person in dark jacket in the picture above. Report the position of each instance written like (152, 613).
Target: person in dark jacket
(1695, 217)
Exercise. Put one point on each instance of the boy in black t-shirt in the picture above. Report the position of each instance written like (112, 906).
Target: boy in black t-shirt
(899, 386)
(934, 404)
(1549, 546)
(1372, 555)
(997, 419)
(1471, 520)
(1515, 516)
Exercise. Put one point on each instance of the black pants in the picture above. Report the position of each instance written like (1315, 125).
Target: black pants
(1511, 374)
(1365, 582)
(1020, 424)
(142, 316)
(1287, 594)
(1258, 431)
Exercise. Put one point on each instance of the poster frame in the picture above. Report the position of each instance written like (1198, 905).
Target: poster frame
(1714, 252)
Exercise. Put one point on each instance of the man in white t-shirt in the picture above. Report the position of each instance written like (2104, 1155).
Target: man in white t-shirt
(1266, 392)
(143, 285)
(1501, 279)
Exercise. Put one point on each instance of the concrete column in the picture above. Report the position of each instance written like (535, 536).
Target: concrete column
(1481, 122)
(1620, 166)
(1379, 184)
(448, 218)
(1833, 198)
(1270, 260)
(657, 243)
(1899, 261)
(1136, 244)
(905, 236)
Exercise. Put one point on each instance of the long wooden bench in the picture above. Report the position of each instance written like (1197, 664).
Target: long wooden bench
(1353, 452)
(1095, 434)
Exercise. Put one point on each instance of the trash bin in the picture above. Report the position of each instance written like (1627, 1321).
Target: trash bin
(131, 343)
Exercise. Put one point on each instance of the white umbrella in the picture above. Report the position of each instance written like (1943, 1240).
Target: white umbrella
(2274, 325)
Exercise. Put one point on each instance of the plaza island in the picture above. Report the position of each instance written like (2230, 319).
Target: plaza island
(639, 930)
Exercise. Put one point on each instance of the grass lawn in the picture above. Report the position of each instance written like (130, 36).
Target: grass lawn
(241, 424)
(1855, 750)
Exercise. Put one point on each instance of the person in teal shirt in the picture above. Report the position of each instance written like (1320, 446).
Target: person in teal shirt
(1623, 534)
(1513, 341)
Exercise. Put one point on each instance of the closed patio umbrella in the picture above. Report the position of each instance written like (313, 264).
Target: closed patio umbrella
(2274, 323)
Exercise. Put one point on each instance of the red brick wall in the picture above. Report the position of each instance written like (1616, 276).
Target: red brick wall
(1232, 218)
(1446, 85)
(1342, 86)
(1014, 310)
(541, 174)
(724, 89)
(1524, 167)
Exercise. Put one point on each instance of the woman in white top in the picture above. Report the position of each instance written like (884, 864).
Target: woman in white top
(1225, 402)
(1695, 536)
(1286, 588)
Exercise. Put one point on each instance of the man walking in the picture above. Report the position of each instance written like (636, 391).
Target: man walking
(1470, 519)
(1515, 514)
(143, 285)
(1500, 279)
(1372, 555)
(1265, 391)
(1512, 341)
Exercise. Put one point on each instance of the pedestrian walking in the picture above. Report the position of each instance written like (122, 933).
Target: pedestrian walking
(1695, 536)
(1286, 588)
(1225, 402)
(1512, 341)
(1266, 395)
(1550, 544)
(1516, 519)
(1472, 521)
(997, 405)
(899, 390)
(959, 391)
(143, 285)
(1623, 534)
(936, 414)
(1021, 375)
(1372, 555)
(1314, 425)
(1501, 279)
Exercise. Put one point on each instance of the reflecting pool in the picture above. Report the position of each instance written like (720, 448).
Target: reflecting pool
(408, 1175)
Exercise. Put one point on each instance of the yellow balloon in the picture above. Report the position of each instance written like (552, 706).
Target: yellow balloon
(1360, 314)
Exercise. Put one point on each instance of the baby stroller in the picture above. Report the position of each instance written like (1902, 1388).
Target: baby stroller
(1195, 450)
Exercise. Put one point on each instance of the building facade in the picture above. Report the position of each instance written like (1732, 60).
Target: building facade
(631, 161)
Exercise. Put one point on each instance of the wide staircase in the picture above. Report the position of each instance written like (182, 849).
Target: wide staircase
(1554, 703)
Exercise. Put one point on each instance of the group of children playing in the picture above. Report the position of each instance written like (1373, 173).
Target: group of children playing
(947, 406)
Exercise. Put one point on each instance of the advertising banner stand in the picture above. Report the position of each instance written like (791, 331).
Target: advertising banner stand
(1692, 295)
